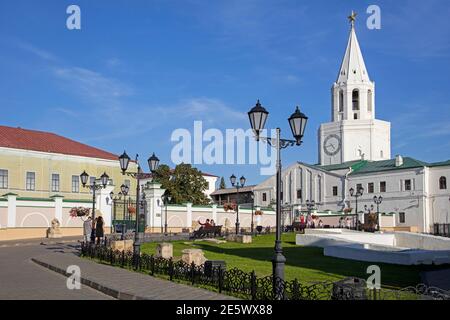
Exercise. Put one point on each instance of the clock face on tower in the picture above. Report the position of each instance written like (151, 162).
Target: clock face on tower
(332, 145)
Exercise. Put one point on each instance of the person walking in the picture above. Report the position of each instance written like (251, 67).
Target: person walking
(99, 230)
(87, 229)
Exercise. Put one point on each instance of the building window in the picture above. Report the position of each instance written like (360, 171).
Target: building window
(355, 116)
(264, 197)
(369, 100)
(370, 188)
(31, 181)
(281, 195)
(75, 184)
(358, 187)
(335, 191)
(355, 99)
(383, 186)
(443, 183)
(341, 101)
(3, 179)
(407, 185)
(299, 194)
(401, 217)
(55, 182)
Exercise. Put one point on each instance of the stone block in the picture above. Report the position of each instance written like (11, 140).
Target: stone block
(128, 245)
(54, 231)
(240, 238)
(164, 250)
(193, 255)
(122, 245)
(117, 245)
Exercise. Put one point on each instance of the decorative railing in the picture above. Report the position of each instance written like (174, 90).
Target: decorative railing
(247, 285)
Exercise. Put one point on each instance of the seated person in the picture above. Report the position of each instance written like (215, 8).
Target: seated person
(205, 225)
(212, 223)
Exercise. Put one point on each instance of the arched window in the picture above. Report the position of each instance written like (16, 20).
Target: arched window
(355, 99)
(341, 101)
(369, 100)
(443, 183)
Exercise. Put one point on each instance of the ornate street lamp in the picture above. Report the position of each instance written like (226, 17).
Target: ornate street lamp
(310, 205)
(94, 187)
(124, 161)
(258, 117)
(378, 201)
(356, 195)
(297, 121)
(238, 185)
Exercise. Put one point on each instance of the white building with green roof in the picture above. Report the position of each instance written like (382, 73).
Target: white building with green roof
(355, 153)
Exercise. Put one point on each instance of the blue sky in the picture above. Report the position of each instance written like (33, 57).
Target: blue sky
(140, 69)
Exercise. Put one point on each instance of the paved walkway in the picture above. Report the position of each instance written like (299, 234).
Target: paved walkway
(123, 284)
(38, 241)
(22, 279)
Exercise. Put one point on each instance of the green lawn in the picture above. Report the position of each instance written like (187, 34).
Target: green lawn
(304, 263)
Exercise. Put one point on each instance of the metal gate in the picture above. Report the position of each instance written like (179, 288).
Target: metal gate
(124, 215)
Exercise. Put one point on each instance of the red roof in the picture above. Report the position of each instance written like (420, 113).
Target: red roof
(18, 138)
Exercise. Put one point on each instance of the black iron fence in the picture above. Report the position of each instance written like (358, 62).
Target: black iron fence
(441, 229)
(247, 285)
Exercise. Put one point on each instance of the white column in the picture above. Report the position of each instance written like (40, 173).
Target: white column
(12, 205)
(153, 194)
(188, 215)
(58, 207)
(214, 212)
(104, 205)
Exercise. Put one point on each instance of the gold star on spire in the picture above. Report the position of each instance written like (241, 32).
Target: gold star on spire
(352, 18)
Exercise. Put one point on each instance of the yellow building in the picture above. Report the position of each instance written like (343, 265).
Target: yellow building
(40, 181)
(35, 164)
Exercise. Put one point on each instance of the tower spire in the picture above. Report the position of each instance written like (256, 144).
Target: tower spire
(353, 68)
(352, 18)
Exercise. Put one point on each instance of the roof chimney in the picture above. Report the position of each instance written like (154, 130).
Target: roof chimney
(398, 160)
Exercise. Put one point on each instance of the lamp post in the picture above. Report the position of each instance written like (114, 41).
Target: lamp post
(252, 196)
(237, 185)
(153, 163)
(356, 195)
(310, 205)
(378, 201)
(167, 199)
(297, 121)
(94, 187)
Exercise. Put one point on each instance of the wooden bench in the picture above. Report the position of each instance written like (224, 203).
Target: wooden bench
(298, 226)
(203, 232)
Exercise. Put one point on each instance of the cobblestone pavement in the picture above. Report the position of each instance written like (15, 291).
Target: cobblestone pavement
(31, 270)
(124, 284)
(20, 278)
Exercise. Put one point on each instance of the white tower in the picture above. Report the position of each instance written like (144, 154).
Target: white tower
(354, 133)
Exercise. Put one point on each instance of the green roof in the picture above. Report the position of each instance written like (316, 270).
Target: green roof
(388, 165)
(440, 164)
(364, 166)
(341, 166)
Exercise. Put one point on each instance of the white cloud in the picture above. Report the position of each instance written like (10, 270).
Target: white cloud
(40, 53)
(93, 85)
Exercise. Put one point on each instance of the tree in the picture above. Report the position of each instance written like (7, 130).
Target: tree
(222, 184)
(184, 184)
